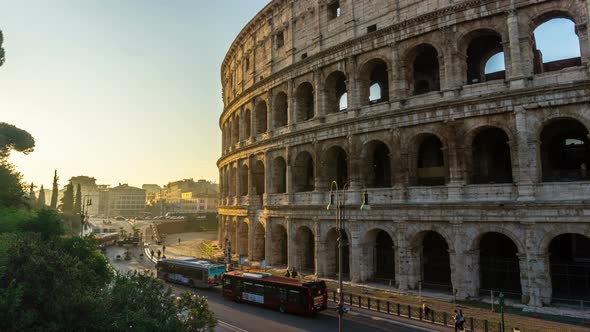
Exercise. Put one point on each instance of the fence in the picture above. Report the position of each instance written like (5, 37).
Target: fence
(415, 313)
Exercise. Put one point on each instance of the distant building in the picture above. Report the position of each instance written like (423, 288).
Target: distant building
(125, 200)
(188, 196)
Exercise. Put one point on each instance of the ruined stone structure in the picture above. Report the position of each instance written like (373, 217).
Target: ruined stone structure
(477, 180)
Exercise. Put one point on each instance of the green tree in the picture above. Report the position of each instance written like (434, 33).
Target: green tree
(54, 192)
(78, 201)
(67, 201)
(12, 193)
(41, 199)
(32, 197)
(13, 138)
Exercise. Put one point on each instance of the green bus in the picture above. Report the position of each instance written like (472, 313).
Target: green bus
(190, 271)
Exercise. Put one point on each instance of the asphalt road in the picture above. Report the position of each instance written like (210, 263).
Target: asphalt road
(234, 317)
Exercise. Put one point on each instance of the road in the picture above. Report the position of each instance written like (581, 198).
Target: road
(247, 318)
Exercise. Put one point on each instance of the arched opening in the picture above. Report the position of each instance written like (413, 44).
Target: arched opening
(569, 256)
(378, 172)
(305, 246)
(303, 176)
(242, 238)
(435, 262)
(279, 245)
(233, 174)
(243, 180)
(499, 267)
(259, 242)
(331, 261)
(280, 106)
(564, 151)
(491, 157)
(495, 68)
(425, 75)
(431, 164)
(335, 90)
(555, 43)
(305, 102)
(336, 166)
(279, 176)
(374, 82)
(236, 130)
(258, 174)
(484, 45)
(261, 118)
(247, 124)
(381, 256)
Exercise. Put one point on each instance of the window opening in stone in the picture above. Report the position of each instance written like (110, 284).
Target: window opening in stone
(280, 106)
(247, 124)
(565, 153)
(261, 118)
(378, 172)
(381, 256)
(436, 267)
(305, 102)
(279, 172)
(555, 43)
(303, 176)
(499, 266)
(569, 256)
(336, 92)
(303, 56)
(236, 130)
(244, 180)
(426, 75)
(259, 242)
(331, 246)
(305, 247)
(486, 44)
(494, 65)
(431, 167)
(491, 157)
(372, 28)
(247, 63)
(279, 245)
(259, 178)
(280, 39)
(334, 10)
(336, 168)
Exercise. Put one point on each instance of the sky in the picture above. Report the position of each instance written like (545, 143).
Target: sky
(128, 91)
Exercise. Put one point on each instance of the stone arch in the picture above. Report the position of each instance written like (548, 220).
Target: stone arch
(335, 165)
(374, 81)
(569, 259)
(539, 64)
(379, 255)
(331, 253)
(490, 159)
(279, 246)
(242, 237)
(424, 68)
(431, 166)
(258, 247)
(247, 124)
(304, 98)
(478, 47)
(235, 132)
(432, 249)
(377, 170)
(499, 266)
(565, 150)
(279, 176)
(244, 173)
(258, 177)
(335, 89)
(261, 118)
(305, 249)
(280, 107)
(303, 172)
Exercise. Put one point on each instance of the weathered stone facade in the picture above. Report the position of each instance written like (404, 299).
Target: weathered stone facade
(449, 156)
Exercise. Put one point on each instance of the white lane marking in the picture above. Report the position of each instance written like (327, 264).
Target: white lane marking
(410, 326)
(230, 326)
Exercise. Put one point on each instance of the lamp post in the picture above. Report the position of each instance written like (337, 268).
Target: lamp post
(338, 198)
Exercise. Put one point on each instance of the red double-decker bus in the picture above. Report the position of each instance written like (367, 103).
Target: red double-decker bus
(285, 294)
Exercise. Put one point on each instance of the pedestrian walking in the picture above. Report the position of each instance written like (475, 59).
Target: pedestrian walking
(293, 274)
(159, 253)
(426, 310)
(152, 252)
(287, 274)
(164, 249)
(461, 320)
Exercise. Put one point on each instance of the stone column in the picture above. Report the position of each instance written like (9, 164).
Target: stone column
(582, 30)
(464, 272)
(288, 172)
(291, 254)
(538, 279)
(251, 165)
(352, 85)
(235, 237)
(319, 94)
(253, 121)
(238, 181)
(318, 170)
(251, 226)
(397, 88)
(290, 103)
(268, 237)
(267, 173)
(317, 246)
(355, 253)
(270, 126)
(354, 165)
(527, 158)
(518, 67)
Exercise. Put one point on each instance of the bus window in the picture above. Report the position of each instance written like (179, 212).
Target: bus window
(282, 294)
(258, 289)
(270, 291)
(227, 282)
(294, 296)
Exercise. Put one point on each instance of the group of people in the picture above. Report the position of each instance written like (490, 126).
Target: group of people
(458, 317)
(291, 274)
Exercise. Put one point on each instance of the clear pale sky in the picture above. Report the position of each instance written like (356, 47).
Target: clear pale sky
(123, 90)
(127, 90)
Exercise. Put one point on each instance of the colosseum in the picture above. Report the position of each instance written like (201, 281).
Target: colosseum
(476, 177)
